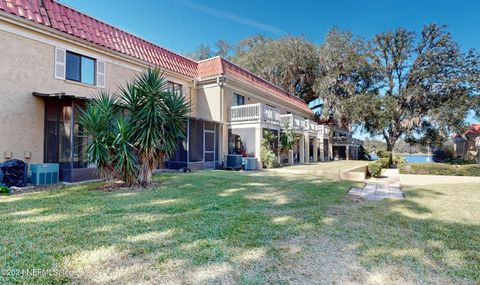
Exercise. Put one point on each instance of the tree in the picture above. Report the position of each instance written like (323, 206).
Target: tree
(223, 48)
(426, 86)
(289, 62)
(132, 130)
(344, 74)
(203, 51)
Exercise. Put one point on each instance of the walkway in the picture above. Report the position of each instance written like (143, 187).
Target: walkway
(387, 186)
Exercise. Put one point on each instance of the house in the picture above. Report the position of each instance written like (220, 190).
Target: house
(53, 58)
(467, 146)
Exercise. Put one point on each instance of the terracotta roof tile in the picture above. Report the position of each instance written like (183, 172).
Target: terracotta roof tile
(70, 21)
(220, 66)
(65, 19)
(474, 130)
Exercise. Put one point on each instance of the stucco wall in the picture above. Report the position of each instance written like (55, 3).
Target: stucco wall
(26, 66)
(206, 102)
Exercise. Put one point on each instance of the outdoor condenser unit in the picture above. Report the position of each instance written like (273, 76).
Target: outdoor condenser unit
(251, 163)
(234, 161)
(44, 173)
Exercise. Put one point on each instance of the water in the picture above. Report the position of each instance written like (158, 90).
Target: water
(417, 158)
(412, 158)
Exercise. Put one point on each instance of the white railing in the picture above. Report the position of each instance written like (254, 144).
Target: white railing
(311, 126)
(294, 121)
(322, 131)
(254, 113)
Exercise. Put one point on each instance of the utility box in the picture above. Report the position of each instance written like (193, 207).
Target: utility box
(234, 162)
(45, 173)
(251, 163)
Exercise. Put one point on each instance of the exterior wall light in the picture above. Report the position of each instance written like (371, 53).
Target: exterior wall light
(7, 154)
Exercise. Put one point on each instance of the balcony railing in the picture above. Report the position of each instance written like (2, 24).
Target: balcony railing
(342, 140)
(294, 121)
(254, 113)
(322, 131)
(311, 126)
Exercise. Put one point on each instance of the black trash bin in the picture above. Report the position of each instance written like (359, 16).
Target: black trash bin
(14, 173)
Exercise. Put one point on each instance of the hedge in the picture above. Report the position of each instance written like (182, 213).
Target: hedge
(469, 170)
(383, 154)
(375, 169)
(440, 169)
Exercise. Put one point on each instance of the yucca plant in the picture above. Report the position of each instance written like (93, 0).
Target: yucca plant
(157, 118)
(96, 120)
(134, 129)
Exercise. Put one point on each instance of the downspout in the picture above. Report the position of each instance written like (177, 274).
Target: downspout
(222, 81)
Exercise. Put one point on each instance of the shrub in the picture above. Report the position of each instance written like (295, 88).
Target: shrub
(385, 162)
(268, 157)
(383, 154)
(428, 169)
(4, 189)
(397, 159)
(469, 170)
(134, 129)
(375, 169)
(458, 161)
(440, 155)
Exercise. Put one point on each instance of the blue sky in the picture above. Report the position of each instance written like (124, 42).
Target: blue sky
(182, 25)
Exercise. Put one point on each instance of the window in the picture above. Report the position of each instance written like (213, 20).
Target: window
(238, 100)
(80, 68)
(174, 88)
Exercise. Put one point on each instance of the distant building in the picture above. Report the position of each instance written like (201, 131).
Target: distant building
(467, 146)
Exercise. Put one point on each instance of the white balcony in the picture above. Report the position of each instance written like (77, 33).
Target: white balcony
(293, 121)
(311, 127)
(322, 131)
(254, 113)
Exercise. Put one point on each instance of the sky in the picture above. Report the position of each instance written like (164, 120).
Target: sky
(183, 25)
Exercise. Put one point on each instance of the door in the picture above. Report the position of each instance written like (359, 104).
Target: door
(209, 147)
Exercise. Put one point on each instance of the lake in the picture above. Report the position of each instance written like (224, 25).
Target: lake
(412, 158)
(417, 158)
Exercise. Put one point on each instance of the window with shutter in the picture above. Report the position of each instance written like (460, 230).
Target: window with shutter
(101, 73)
(60, 60)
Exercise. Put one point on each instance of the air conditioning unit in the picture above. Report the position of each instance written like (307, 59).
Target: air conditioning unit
(251, 163)
(234, 161)
(45, 173)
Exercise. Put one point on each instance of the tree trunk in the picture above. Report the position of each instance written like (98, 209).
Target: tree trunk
(146, 170)
(390, 145)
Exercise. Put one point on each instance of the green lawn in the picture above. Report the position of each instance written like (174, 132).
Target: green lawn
(238, 227)
(330, 166)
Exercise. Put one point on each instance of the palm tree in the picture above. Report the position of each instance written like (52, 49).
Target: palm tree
(96, 120)
(157, 118)
(134, 129)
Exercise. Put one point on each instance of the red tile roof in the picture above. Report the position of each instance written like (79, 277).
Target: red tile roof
(65, 19)
(220, 66)
(474, 130)
(70, 21)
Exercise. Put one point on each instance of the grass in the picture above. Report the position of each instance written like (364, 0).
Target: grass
(237, 227)
(330, 166)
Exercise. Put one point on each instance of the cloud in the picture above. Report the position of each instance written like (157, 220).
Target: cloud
(232, 17)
